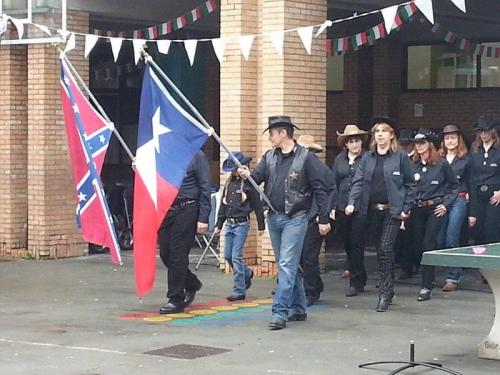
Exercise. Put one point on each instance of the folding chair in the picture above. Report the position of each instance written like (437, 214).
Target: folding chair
(210, 240)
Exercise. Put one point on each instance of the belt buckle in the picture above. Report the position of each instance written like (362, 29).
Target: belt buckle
(484, 188)
(379, 206)
(231, 220)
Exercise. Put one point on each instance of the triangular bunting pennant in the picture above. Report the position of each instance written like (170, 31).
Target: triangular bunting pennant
(190, 46)
(219, 46)
(70, 44)
(19, 24)
(389, 15)
(277, 38)
(90, 42)
(460, 4)
(323, 27)
(425, 7)
(4, 20)
(306, 34)
(116, 45)
(246, 45)
(138, 46)
(45, 29)
(163, 46)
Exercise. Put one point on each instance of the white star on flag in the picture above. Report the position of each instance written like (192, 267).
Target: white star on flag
(102, 139)
(81, 197)
(75, 108)
(158, 129)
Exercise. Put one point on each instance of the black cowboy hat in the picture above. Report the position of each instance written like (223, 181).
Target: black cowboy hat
(229, 165)
(426, 134)
(384, 119)
(486, 123)
(280, 122)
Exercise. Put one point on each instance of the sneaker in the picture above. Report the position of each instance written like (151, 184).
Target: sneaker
(235, 297)
(450, 287)
(424, 295)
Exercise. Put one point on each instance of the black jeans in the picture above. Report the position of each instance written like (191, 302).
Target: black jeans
(403, 249)
(313, 285)
(425, 229)
(176, 236)
(385, 228)
(488, 219)
(353, 229)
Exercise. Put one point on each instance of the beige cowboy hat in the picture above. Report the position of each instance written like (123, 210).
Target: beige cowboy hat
(349, 131)
(307, 141)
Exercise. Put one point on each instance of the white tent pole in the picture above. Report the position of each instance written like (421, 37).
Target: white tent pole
(64, 16)
(30, 10)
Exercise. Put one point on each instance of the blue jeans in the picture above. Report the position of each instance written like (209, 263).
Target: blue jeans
(449, 236)
(287, 237)
(234, 243)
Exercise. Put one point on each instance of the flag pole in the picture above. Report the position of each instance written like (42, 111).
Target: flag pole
(99, 108)
(150, 61)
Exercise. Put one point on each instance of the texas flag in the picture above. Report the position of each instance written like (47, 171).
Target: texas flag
(88, 139)
(168, 138)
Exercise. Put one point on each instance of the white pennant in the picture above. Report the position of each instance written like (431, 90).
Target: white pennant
(19, 24)
(71, 43)
(460, 4)
(246, 45)
(425, 7)
(4, 20)
(323, 27)
(116, 45)
(163, 46)
(190, 45)
(138, 46)
(45, 29)
(277, 38)
(389, 15)
(219, 47)
(306, 34)
(90, 42)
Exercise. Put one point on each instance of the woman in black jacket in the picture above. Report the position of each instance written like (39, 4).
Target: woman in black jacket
(383, 189)
(437, 189)
(486, 160)
(343, 169)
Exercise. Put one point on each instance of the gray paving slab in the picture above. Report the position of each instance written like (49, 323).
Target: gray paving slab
(62, 317)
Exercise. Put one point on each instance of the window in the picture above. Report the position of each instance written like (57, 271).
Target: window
(445, 67)
(490, 68)
(335, 73)
(440, 67)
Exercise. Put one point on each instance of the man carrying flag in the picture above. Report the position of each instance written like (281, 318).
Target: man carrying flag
(169, 141)
(88, 139)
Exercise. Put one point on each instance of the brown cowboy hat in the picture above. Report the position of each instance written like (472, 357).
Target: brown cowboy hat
(307, 141)
(349, 131)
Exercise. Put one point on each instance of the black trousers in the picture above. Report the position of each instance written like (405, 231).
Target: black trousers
(487, 228)
(385, 228)
(176, 236)
(404, 251)
(425, 229)
(313, 285)
(353, 232)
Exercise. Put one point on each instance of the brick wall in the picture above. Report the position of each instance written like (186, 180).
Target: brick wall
(38, 218)
(13, 151)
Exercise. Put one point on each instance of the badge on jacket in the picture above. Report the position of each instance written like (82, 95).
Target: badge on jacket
(294, 176)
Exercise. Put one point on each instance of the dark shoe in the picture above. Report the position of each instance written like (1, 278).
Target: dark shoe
(297, 317)
(170, 308)
(405, 275)
(276, 324)
(190, 294)
(248, 283)
(235, 297)
(383, 303)
(424, 295)
(352, 292)
(310, 300)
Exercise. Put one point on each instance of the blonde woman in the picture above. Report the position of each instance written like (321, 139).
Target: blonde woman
(383, 188)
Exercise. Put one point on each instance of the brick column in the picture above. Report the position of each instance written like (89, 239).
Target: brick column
(13, 151)
(387, 65)
(268, 84)
(52, 231)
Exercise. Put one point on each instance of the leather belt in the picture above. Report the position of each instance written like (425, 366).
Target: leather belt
(237, 220)
(380, 206)
(182, 203)
(429, 202)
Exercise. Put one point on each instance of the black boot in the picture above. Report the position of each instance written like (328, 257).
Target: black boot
(383, 302)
